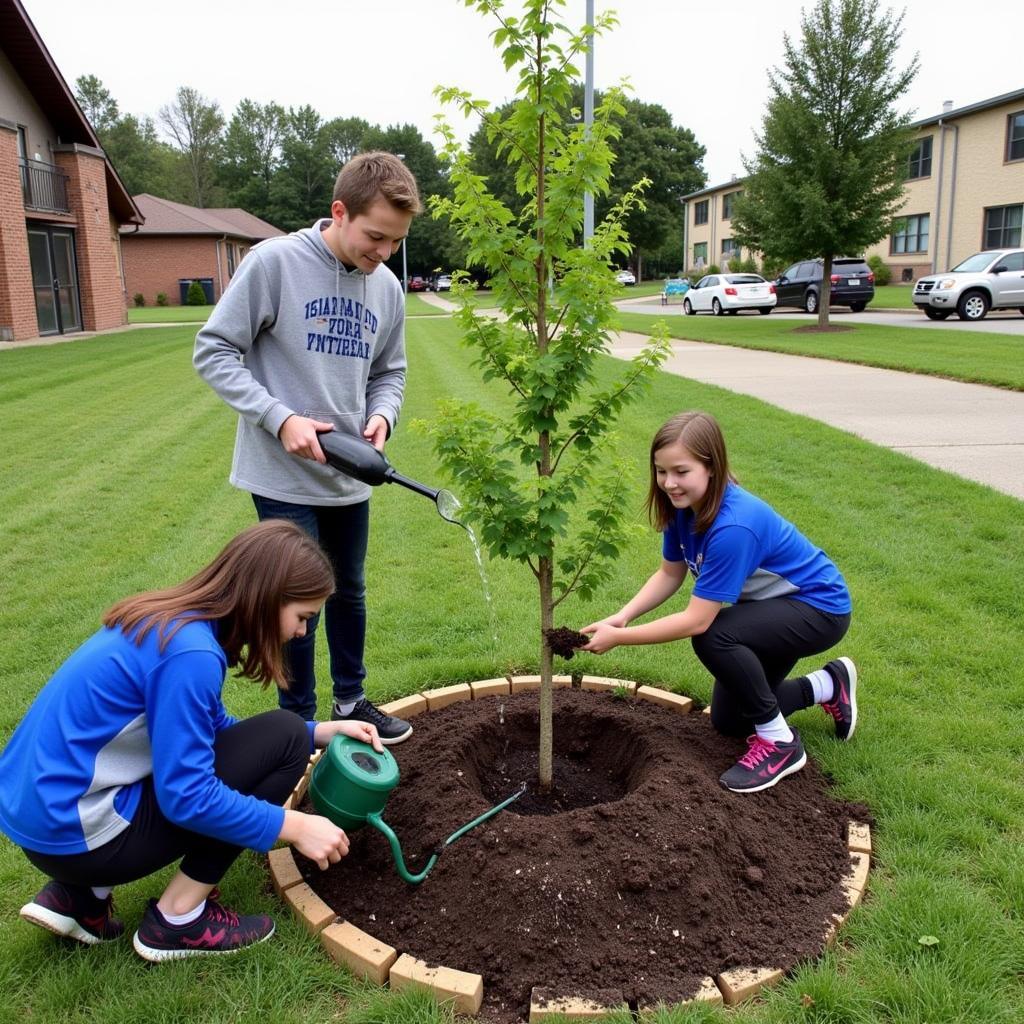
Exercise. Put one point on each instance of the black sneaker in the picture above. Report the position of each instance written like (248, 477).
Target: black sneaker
(390, 729)
(843, 705)
(216, 930)
(764, 764)
(74, 912)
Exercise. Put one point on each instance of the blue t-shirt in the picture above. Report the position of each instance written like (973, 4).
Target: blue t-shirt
(750, 553)
(113, 714)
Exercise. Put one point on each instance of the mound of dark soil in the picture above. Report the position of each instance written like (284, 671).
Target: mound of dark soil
(639, 873)
(563, 641)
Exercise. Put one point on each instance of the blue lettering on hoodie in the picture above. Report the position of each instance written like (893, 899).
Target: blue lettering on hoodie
(346, 322)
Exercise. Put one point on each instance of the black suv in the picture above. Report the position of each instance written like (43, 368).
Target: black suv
(853, 285)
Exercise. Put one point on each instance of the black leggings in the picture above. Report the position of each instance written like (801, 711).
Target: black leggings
(263, 756)
(751, 648)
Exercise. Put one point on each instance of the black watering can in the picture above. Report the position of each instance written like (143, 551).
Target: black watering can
(359, 459)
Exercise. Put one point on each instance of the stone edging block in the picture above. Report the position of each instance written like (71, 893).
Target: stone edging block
(707, 992)
(490, 688)
(445, 695)
(284, 872)
(309, 908)
(405, 707)
(464, 990)
(544, 1003)
(520, 684)
(602, 684)
(855, 884)
(743, 982)
(674, 701)
(859, 837)
(365, 956)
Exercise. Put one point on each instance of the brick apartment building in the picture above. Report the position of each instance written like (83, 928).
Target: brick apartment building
(964, 192)
(180, 243)
(61, 201)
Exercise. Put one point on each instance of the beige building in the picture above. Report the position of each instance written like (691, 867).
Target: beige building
(964, 192)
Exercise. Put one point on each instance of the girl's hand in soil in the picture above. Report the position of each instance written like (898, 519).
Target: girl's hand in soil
(315, 837)
(362, 731)
(603, 636)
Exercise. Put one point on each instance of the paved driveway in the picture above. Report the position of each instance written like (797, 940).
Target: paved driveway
(974, 431)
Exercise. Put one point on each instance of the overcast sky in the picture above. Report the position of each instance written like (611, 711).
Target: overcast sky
(706, 63)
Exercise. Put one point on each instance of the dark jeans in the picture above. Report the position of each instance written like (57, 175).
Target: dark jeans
(342, 531)
(263, 756)
(751, 648)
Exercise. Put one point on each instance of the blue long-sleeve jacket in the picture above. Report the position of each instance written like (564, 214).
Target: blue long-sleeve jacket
(114, 713)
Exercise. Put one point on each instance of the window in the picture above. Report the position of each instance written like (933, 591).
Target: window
(1002, 226)
(805, 272)
(1015, 137)
(1013, 262)
(700, 212)
(230, 246)
(22, 143)
(911, 234)
(700, 254)
(727, 204)
(791, 272)
(920, 163)
(729, 248)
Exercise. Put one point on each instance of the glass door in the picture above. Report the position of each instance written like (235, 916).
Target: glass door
(54, 279)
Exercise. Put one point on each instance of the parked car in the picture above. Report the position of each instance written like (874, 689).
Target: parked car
(993, 279)
(625, 277)
(729, 293)
(417, 284)
(674, 286)
(443, 283)
(853, 284)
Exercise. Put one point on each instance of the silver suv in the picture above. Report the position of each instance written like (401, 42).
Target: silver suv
(993, 279)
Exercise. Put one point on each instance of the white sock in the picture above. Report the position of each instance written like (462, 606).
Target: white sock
(178, 920)
(823, 684)
(101, 892)
(346, 708)
(776, 731)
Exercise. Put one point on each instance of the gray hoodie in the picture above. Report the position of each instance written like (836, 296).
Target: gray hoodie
(297, 333)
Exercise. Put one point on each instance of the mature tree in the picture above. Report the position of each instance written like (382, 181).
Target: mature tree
(345, 138)
(522, 475)
(649, 145)
(828, 175)
(195, 124)
(98, 105)
(302, 188)
(251, 155)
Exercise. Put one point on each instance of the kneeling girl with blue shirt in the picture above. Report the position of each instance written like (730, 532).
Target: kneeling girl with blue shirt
(763, 598)
(128, 760)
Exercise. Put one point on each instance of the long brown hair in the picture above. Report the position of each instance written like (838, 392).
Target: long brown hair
(700, 434)
(243, 589)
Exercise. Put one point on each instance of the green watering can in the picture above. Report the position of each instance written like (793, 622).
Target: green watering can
(350, 785)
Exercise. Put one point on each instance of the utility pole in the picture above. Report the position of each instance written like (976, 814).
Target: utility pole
(588, 121)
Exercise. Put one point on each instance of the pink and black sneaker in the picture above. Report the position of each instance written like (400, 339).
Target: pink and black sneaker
(764, 764)
(843, 705)
(216, 930)
(74, 912)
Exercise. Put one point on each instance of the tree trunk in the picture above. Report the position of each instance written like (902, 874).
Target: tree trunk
(825, 296)
(639, 268)
(546, 745)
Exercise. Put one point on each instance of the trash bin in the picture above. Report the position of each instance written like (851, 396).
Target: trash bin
(184, 282)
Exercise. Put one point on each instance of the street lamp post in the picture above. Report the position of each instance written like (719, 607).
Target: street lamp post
(405, 269)
(588, 120)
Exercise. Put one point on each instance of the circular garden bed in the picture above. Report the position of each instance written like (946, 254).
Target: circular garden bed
(638, 880)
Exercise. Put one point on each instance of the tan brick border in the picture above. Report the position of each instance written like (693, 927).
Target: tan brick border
(374, 960)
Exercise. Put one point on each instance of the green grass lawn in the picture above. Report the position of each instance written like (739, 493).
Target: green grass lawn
(130, 492)
(893, 296)
(168, 314)
(976, 356)
(415, 306)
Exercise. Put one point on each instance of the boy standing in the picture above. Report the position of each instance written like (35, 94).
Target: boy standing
(310, 337)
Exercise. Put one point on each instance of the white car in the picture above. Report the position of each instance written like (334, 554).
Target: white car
(729, 293)
(443, 283)
(625, 277)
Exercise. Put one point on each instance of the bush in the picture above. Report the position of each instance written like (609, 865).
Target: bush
(771, 269)
(712, 269)
(161, 298)
(195, 296)
(883, 275)
(139, 299)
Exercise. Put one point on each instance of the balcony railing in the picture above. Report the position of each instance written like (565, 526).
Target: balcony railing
(44, 187)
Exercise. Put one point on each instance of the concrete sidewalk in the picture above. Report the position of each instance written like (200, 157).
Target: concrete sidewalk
(974, 431)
